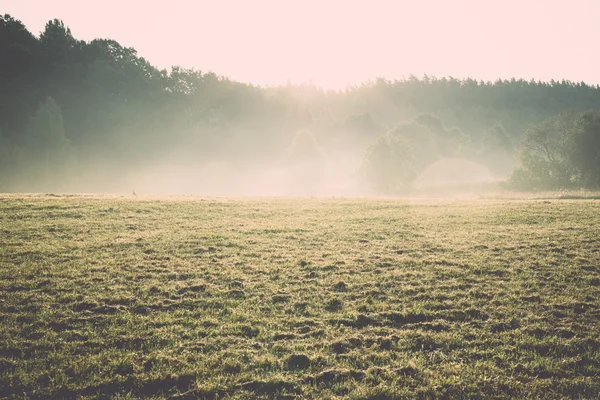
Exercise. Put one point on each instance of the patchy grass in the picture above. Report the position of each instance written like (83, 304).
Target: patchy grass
(189, 298)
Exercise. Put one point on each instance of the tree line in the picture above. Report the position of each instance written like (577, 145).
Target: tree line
(79, 116)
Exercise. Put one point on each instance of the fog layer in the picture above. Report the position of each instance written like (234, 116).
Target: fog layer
(95, 116)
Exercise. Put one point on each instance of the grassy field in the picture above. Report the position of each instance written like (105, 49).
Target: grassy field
(108, 297)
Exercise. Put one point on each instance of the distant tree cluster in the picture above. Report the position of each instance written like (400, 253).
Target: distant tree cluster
(561, 152)
(80, 116)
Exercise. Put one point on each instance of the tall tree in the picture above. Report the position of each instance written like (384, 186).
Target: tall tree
(51, 157)
(389, 166)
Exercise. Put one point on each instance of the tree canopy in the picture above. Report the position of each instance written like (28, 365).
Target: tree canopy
(561, 152)
(110, 112)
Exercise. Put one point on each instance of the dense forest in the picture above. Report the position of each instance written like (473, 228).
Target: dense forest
(97, 117)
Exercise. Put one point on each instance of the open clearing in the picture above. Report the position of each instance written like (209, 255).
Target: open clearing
(108, 297)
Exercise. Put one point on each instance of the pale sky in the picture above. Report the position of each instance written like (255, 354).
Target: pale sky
(333, 43)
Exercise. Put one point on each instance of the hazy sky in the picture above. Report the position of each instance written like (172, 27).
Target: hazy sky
(335, 42)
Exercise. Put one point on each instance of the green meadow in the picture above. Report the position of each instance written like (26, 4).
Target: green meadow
(175, 298)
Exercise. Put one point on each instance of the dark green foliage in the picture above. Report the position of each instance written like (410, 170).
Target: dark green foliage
(58, 42)
(561, 152)
(121, 114)
(586, 149)
(49, 152)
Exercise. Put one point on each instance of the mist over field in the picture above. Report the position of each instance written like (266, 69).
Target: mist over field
(170, 232)
(326, 175)
(94, 116)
